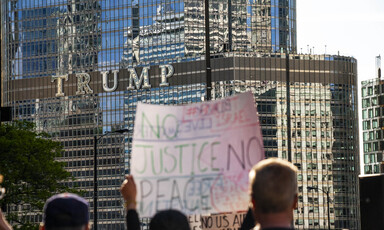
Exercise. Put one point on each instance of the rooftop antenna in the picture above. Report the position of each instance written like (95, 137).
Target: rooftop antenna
(378, 66)
(325, 51)
(307, 49)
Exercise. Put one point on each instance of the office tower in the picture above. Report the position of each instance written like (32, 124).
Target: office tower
(106, 56)
(175, 30)
(372, 95)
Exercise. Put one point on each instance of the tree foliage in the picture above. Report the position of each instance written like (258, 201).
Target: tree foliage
(31, 174)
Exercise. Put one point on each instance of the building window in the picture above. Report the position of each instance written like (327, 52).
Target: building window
(367, 147)
(366, 125)
(370, 91)
(299, 177)
(372, 157)
(367, 169)
(365, 114)
(375, 124)
(366, 103)
(374, 101)
(363, 92)
(376, 169)
(375, 146)
(371, 136)
(370, 113)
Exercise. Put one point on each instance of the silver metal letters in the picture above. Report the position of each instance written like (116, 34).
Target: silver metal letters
(134, 78)
(60, 92)
(83, 80)
(166, 74)
(135, 82)
(105, 80)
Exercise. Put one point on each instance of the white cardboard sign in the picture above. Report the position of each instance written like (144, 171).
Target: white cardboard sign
(195, 158)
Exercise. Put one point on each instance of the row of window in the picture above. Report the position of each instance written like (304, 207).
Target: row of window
(314, 222)
(372, 146)
(310, 156)
(115, 192)
(374, 101)
(335, 178)
(370, 158)
(322, 124)
(100, 172)
(370, 113)
(313, 144)
(313, 133)
(314, 166)
(312, 112)
(372, 90)
(314, 177)
(87, 163)
(373, 124)
(370, 169)
(85, 184)
(372, 135)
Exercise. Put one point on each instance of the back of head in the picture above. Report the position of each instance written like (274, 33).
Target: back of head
(66, 211)
(273, 185)
(169, 220)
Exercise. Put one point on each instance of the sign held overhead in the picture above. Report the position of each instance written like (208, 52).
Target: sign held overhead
(196, 158)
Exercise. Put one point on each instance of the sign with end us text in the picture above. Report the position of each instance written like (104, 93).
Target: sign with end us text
(222, 221)
(195, 158)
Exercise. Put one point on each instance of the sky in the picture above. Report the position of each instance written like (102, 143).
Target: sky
(352, 27)
(349, 27)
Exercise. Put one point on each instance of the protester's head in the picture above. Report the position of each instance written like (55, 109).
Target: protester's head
(66, 211)
(273, 185)
(169, 220)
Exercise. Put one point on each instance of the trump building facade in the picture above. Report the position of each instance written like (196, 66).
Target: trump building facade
(77, 69)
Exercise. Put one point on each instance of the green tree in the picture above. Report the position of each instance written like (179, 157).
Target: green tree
(31, 174)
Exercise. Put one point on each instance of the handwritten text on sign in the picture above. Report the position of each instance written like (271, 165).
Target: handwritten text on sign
(196, 158)
(223, 221)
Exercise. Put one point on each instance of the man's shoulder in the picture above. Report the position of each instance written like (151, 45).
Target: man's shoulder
(277, 229)
(257, 227)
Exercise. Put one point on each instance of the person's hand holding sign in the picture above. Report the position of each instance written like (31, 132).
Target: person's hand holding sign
(129, 191)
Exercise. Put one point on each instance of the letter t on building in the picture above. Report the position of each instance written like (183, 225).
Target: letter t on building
(60, 79)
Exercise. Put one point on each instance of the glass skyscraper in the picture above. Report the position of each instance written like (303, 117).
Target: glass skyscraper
(372, 94)
(78, 68)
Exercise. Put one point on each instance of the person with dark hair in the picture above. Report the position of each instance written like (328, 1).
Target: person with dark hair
(163, 220)
(170, 220)
(65, 211)
(273, 191)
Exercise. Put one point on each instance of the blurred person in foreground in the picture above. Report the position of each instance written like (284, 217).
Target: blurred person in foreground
(273, 191)
(163, 220)
(66, 211)
(4, 225)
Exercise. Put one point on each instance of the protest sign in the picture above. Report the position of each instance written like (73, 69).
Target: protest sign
(195, 158)
(223, 221)
(227, 221)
